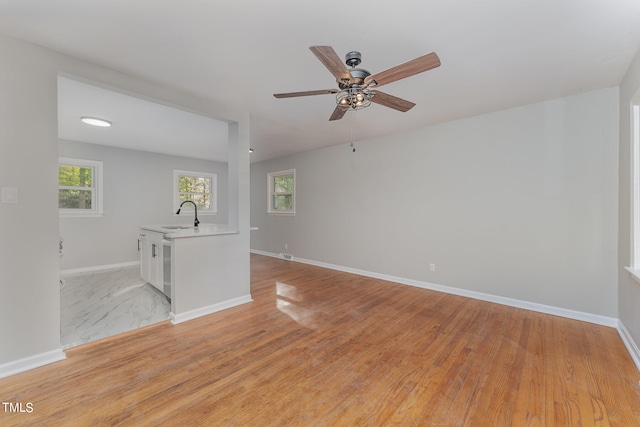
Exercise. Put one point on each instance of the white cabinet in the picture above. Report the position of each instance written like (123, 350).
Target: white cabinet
(144, 249)
(151, 256)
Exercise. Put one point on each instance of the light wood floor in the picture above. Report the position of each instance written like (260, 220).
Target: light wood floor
(324, 348)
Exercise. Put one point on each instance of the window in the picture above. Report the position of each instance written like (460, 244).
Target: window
(282, 194)
(635, 188)
(634, 268)
(199, 187)
(79, 187)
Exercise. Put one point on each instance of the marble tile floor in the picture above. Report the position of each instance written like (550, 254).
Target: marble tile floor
(102, 304)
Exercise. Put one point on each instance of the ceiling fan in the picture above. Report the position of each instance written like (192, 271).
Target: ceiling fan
(358, 87)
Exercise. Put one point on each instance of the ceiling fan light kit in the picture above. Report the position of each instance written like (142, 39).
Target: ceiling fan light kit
(358, 87)
(354, 98)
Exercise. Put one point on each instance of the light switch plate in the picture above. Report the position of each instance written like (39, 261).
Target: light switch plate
(9, 195)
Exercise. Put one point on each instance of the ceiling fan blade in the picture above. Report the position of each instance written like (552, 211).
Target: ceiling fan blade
(332, 61)
(392, 101)
(338, 113)
(410, 68)
(306, 93)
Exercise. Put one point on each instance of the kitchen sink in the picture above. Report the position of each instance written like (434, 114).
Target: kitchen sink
(177, 227)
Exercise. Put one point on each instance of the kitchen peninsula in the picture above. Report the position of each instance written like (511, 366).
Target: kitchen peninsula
(192, 266)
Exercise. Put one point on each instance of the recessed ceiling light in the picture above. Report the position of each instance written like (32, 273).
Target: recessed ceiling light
(94, 121)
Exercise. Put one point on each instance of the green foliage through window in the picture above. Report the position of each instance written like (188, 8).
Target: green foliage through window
(282, 202)
(283, 184)
(281, 191)
(197, 189)
(74, 176)
(75, 187)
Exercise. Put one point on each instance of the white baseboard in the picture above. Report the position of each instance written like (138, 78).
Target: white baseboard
(556, 311)
(630, 344)
(98, 268)
(31, 362)
(203, 311)
(258, 252)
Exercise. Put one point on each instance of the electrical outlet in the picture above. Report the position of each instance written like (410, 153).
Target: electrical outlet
(9, 195)
(432, 267)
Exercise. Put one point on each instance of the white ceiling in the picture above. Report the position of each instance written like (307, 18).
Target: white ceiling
(495, 54)
(137, 124)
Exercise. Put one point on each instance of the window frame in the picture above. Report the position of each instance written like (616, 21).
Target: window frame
(97, 206)
(271, 210)
(634, 261)
(635, 186)
(177, 173)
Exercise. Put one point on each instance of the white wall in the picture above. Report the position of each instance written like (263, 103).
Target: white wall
(520, 203)
(29, 230)
(30, 303)
(629, 289)
(138, 190)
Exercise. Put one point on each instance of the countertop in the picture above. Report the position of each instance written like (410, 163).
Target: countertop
(190, 231)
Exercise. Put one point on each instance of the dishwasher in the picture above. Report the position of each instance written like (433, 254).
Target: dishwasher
(166, 267)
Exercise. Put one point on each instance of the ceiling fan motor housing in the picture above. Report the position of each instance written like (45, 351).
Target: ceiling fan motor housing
(357, 78)
(353, 59)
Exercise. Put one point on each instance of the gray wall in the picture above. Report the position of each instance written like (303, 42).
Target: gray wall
(138, 190)
(30, 303)
(520, 203)
(629, 288)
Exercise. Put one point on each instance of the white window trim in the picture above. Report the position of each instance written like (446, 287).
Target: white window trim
(213, 210)
(634, 269)
(270, 189)
(96, 194)
(635, 185)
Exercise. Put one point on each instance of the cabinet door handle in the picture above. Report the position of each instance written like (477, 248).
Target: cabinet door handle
(153, 250)
(138, 245)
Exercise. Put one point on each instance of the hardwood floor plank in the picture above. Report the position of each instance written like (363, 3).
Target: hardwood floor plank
(319, 347)
(530, 399)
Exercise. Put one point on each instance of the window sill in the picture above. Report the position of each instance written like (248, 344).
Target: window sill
(80, 215)
(635, 273)
(205, 213)
(282, 213)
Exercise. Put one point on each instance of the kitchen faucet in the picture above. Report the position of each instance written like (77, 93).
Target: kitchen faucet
(195, 222)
